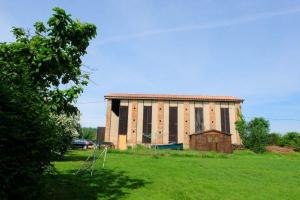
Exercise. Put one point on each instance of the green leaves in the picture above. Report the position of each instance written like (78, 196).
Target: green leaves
(258, 134)
(53, 55)
(254, 134)
(88, 133)
(35, 112)
(241, 127)
(18, 32)
(291, 139)
(39, 28)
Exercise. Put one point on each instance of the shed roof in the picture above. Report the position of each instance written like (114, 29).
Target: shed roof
(172, 97)
(211, 131)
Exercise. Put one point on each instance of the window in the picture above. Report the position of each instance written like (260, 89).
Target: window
(147, 123)
(115, 107)
(199, 127)
(225, 124)
(123, 120)
(173, 134)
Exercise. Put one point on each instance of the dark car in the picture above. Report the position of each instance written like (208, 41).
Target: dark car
(83, 144)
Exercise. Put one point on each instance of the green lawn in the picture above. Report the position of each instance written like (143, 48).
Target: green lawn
(149, 174)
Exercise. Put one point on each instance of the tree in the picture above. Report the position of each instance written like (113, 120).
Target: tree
(89, 133)
(254, 134)
(68, 129)
(258, 134)
(291, 139)
(274, 139)
(34, 69)
(241, 127)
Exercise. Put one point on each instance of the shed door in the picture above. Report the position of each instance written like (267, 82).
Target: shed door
(173, 132)
(213, 142)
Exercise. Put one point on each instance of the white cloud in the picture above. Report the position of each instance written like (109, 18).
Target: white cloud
(209, 25)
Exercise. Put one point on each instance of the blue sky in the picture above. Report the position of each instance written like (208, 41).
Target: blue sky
(248, 49)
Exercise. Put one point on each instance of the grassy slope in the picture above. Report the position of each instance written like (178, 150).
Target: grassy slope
(179, 175)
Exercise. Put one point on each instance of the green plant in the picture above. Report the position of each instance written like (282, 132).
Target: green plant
(274, 139)
(241, 127)
(254, 134)
(258, 134)
(34, 69)
(68, 129)
(291, 139)
(88, 133)
(28, 136)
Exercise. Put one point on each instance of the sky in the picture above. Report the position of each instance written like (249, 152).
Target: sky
(247, 49)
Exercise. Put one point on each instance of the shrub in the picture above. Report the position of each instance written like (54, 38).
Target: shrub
(68, 128)
(258, 134)
(291, 139)
(254, 134)
(241, 127)
(26, 143)
(274, 139)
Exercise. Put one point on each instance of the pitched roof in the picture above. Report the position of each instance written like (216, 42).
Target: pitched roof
(172, 97)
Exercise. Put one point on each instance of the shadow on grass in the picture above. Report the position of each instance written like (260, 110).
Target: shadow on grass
(104, 184)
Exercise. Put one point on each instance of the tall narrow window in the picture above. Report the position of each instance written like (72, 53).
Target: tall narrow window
(123, 120)
(199, 127)
(173, 132)
(225, 124)
(147, 123)
(115, 107)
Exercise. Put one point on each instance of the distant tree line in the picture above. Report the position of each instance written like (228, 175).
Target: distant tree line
(88, 133)
(290, 139)
(255, 135)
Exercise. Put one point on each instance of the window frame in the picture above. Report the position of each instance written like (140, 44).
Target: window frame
(225, 120)
(147, 124)
(199, 116)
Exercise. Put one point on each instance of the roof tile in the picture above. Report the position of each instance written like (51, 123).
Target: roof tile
(172, 97)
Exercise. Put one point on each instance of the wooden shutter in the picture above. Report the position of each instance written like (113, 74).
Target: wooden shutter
(199, 120)
(225, 123)
(173, 118)
(147, 124)
(222, 120)
(123, 120)
(227, 120)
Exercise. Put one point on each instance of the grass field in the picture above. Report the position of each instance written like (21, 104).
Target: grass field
(149, 174)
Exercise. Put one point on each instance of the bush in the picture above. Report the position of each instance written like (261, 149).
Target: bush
(258, 134)
(68, 128)
(274, 139)
(254, 134)
(241, 127)
(26, 143)
(291, 139)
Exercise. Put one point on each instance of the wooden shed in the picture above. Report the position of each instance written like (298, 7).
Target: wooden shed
(211, 140)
